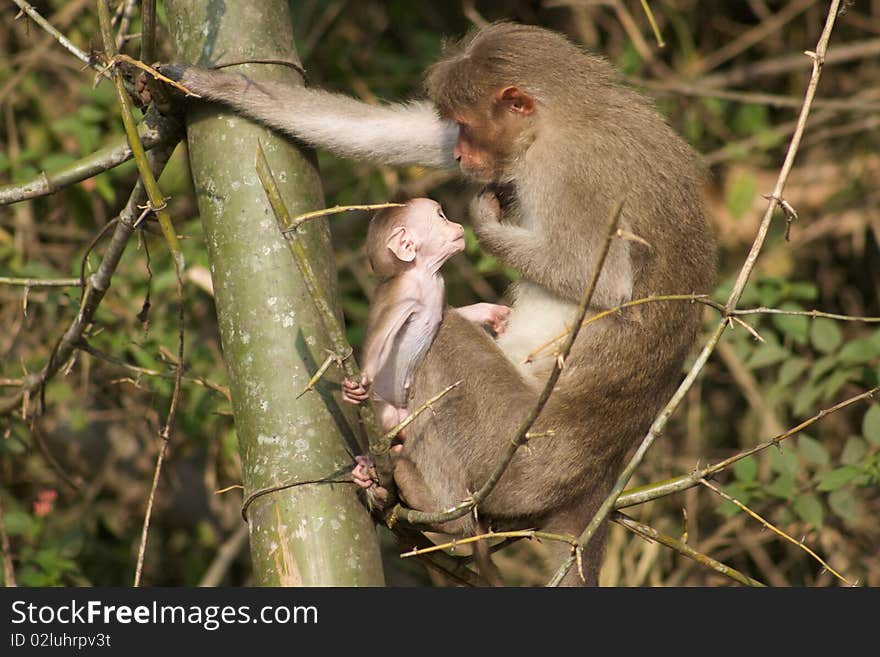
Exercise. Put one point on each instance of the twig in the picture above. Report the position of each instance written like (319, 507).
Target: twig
(332, 327)
(40, 282)
(144, 371)
(332, 358)
(60, 38)
(409, 419)
(422, 518)
(124, 13)
(651, 534)
(775, 530)
(299, 220)
(650, 14)
(119, 57)
(655, 491)
(659, 423)
(519, 533)
(148, 30)
(8, 569)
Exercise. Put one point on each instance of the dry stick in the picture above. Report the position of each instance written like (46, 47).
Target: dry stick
(158, 205)
(8, 570)
(775, 530)
(522, 435)
(124, 14)
(661, 420)
(144, 371)
(650, 534)
(60, 38)
(153, 131)
(650, 14)
(332, 328)
(299, 220)
(40, 282)
(649, 492)
(518, 533)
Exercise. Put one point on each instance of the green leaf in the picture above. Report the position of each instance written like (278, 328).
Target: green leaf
(854, 451)
(767, 354)
(822, 366)
(783, 486)
(809, 509)
(791, 370)
(812, 450)
(858, 352)
(18, 522)
(746, 470)
(784, 461)
(871, 425)
(836, 381)
(805, 399)
(797, 327)
(839, 477)
(825, 335)
(740, 492)
(802, 291)
(843, 502)
(741, 193)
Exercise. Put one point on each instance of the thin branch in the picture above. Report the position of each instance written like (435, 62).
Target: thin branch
(659, 423)
(775, 530)
(299, 220)
(414, 517)
(40, 282)
(655, 491)
(60, 38)
(650, 14)
(650, 534)
(83, 345)
(519, 533)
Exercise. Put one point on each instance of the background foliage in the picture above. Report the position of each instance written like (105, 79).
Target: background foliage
(75, 480)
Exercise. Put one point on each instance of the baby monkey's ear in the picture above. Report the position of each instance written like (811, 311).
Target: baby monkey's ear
(401, 244)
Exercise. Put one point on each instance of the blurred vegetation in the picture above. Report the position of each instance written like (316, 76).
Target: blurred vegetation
(75, 478)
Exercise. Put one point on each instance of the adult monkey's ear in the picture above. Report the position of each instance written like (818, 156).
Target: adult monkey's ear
(516, 100)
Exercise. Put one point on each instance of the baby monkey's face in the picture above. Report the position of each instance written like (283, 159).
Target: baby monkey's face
(436, 236)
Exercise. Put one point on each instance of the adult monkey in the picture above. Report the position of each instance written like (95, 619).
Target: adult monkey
(523, 109)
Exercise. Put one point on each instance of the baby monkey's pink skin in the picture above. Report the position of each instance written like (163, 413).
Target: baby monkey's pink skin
(407, 251)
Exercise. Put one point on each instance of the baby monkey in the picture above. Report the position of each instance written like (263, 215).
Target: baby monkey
(406, 247)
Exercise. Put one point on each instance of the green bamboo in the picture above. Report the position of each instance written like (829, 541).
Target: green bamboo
(315, 534)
